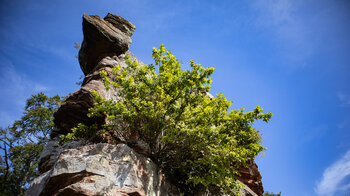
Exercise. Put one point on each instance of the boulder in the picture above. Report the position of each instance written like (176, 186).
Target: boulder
(102, 169)
(52, 150)
(109, 37)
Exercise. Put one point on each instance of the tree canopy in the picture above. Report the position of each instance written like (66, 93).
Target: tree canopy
(22, 142)
(192, 136)
(272, 194)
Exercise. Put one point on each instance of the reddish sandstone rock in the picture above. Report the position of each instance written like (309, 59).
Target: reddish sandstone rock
(110, 37)
(251, 177)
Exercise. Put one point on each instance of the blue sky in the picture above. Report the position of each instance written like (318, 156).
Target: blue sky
(292, 57)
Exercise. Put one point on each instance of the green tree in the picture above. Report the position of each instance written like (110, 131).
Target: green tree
(193, 137)
(21, 143)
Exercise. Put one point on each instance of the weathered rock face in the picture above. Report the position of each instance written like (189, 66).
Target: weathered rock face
(102, 169)
(81, 168)
(74, 110)
(106, 41)
(110, 168)
(109, 37)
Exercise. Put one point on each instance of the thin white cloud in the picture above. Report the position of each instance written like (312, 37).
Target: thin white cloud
(345, 187)
(15, 88)
(291, 33)
(344, 99)
(345, 123)
(274, 13)
(333, 177)
(17, 84)
(316, 133)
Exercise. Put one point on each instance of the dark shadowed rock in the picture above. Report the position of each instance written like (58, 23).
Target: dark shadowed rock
(74, 111)
(75, 108)
(110, 37)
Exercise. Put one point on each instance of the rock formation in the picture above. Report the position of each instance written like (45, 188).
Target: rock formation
(98, 169)
(251, 177)
(87, 168)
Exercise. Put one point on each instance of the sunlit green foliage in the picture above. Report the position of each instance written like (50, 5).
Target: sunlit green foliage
(272, 194)
(21, 144)
(192, 136)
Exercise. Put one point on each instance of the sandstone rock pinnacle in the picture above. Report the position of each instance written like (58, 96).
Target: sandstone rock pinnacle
(110, 36)
(106, 168)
